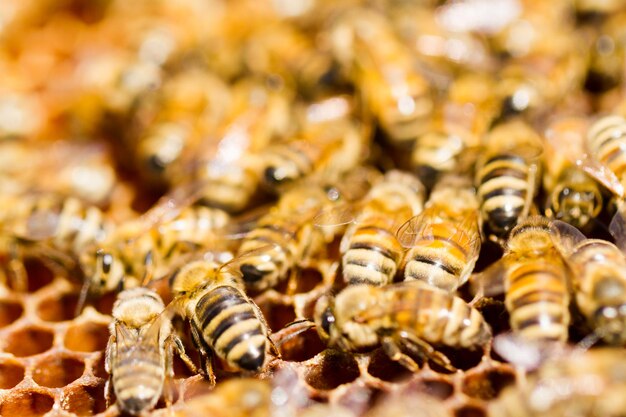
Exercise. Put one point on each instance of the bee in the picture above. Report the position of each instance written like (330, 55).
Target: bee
(589, 383)
(229, 166)
(400, 317)
(458, 124)
(289, 226)
(534, 278)
(385, 73)
(573, 196)
(139, 353)
(370, 250)
(224, 320)
(51, 227)
(507, 175)
(599, 278)
(444, 240)
(329, 141)
(605, 142)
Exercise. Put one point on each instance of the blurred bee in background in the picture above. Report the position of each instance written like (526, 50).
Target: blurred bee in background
(289, 226)
(229, 163)
(224, 320)
(599, 278)
(139, 352)
(573, 196)
(459, 122)
(50, 227)
(371, 253)
(605, 144)
(173, 121)
(507, 176)
(534, 278)
(384, 72)
(402, 318)
(330, 141)
(443, 240)
(588, 383)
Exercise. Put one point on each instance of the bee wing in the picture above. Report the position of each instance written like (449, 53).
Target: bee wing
(123, 335)
(617, 228)
(336, 215)
(565, 236)
(170, 205)
(489, 282)
(566, 137)
(233, 266)
(414, 228)
(41, 225)
(469, 226)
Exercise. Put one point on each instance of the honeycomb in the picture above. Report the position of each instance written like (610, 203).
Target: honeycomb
(55, 85)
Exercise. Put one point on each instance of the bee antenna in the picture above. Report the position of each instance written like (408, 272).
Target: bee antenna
(82, 297)
(292, 330)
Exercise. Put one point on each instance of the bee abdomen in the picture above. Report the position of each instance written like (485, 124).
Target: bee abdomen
(137, 377)
(607, 137)
(372, 257)
(287, 163)
(537, 300)
(230, 325)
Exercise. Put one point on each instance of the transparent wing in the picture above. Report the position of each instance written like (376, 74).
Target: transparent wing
(565, 236)
(262, 254)
(414, 228)
(336, 215)
(617, 228)
(489, 282)
(124, 336)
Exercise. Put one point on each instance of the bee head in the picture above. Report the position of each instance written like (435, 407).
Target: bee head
(324, 318)
(108, 273)
(611, 324)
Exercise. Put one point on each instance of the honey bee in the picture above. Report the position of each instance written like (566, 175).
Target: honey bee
(605, 145)
(224, 320)
(599, 278)
(330, 141)
(139, 353)
(51, 227)
(370, 250)
(444, 239)
(401, 318)
(289, 225)
(507, 175)
(589, 383)
(385, 73)
(229, 166)
(534, 278)
(573, 196)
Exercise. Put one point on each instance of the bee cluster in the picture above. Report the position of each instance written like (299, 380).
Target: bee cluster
(312, 207)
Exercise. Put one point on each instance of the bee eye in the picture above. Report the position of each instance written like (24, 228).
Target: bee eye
(106, 261)
(327, 320)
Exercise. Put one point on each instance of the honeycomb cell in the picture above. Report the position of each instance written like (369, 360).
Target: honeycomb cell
(26, 404)
(308, 279)
(432, 386)
(39, 275)
(87, 337)
(461, 358)
(10, 311)
(58, 308)
(277, 315)
(29, 341)
(57, 372)
(333, 368)
(84, 400)
(487, 385)
(11, 374)
(383, 367)
(470, 411)
(301, 347)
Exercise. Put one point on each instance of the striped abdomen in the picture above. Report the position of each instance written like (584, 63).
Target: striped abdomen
(443, 256)
(229, 187)
(537, 299)
(503, 191)
(230, 326)
(283, 239)
(372, 252)
(290, 161)
(138, 375)
(437, 317)
(606, 141)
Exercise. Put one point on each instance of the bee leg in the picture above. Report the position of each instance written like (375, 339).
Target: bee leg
(425, 350)
(292, 282)
(168, 386)
(392, 349)
(261, 317)
(109, 355)
(180, 349)
(17, 271)
(206, 358)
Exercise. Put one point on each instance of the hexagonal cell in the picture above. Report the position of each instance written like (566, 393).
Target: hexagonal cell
(84, 400)
(29, 341)
(433, 386)
(277, 314)
(86, 337)
(58, 308)
(333, 368)
(57, 372)
(10, 311)
(11, 374)
(381, 366)
(26, 403)
(470, 411)
(301, 347)
(308, 279)
(488, 384)
(461, 358)
(39, 275)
